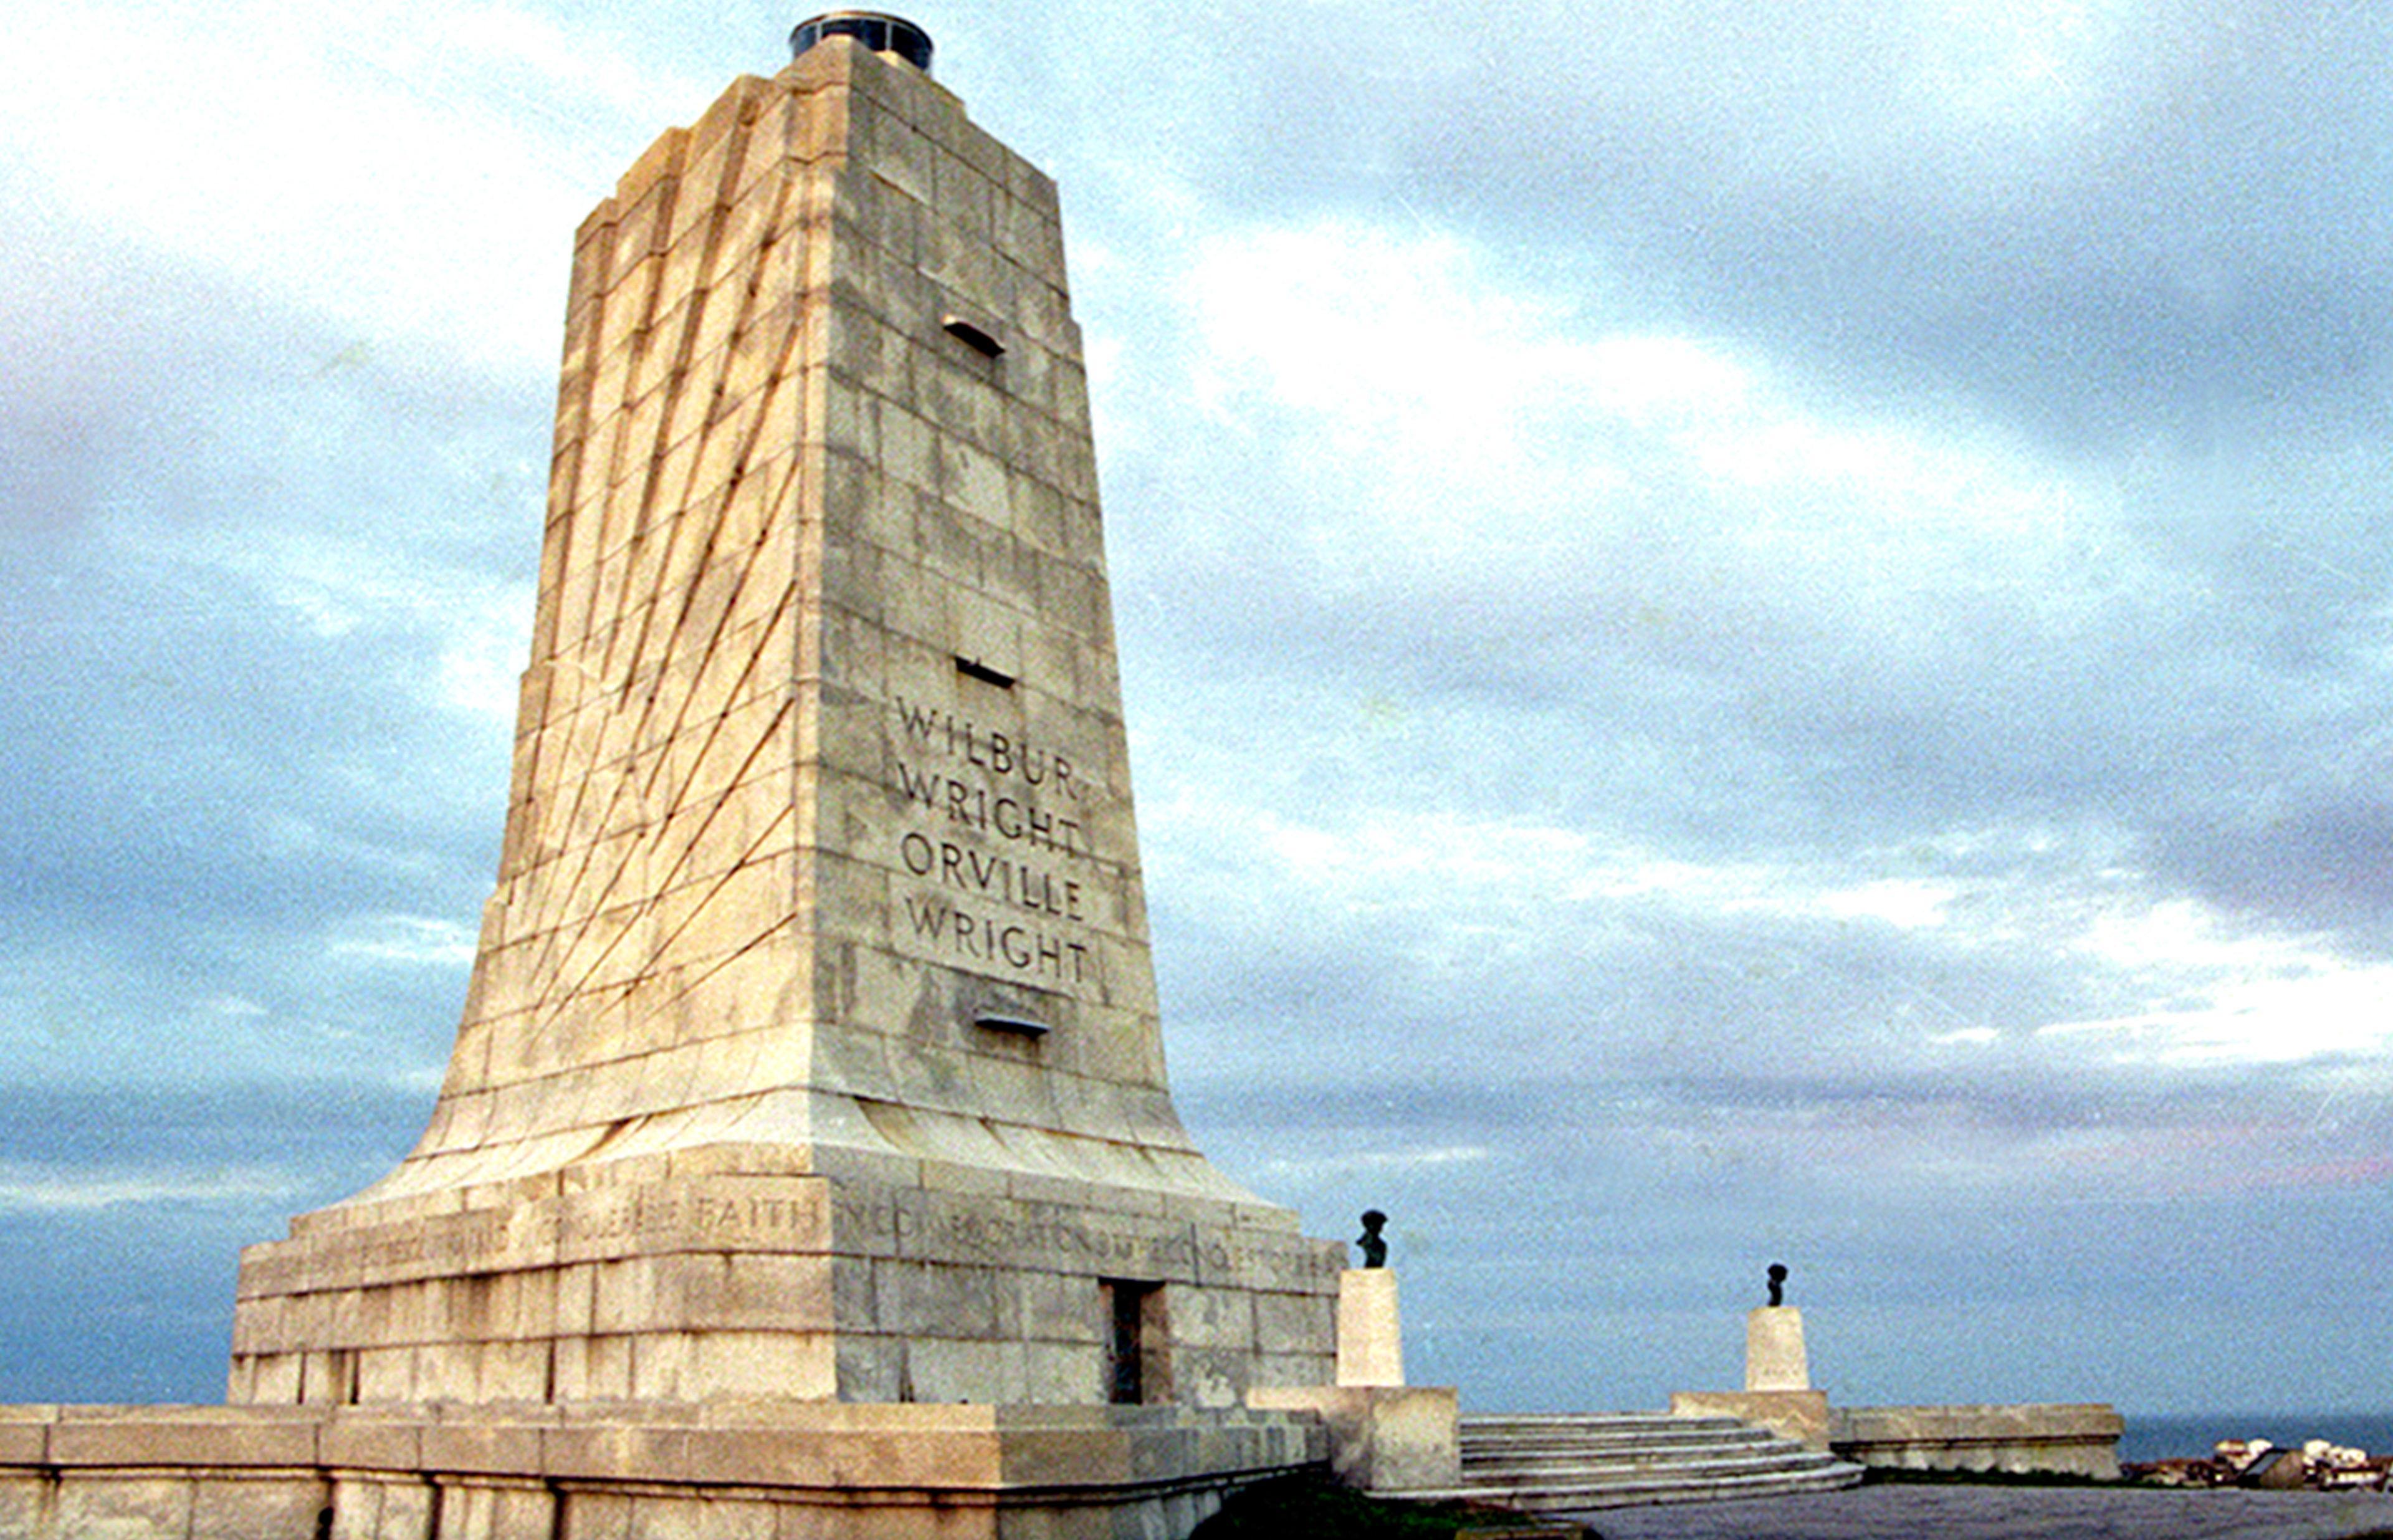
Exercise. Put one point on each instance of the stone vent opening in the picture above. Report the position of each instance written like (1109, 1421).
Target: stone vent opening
(973, 668)
(975, 337)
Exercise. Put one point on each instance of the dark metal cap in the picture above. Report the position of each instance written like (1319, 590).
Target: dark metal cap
(878, 31)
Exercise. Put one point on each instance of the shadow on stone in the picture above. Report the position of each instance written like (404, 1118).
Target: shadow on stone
(1314, 1508)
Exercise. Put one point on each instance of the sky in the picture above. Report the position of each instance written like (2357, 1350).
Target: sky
(1750, 634)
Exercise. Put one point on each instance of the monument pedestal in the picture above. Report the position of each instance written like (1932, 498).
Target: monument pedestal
(824, 1471)
(1777, 1393)
(1385, 1436)
(1383, 1439)
(1774, 1359)
(1370, 1332)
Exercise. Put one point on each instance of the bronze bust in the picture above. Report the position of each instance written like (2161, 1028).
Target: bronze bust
(1374, 1245)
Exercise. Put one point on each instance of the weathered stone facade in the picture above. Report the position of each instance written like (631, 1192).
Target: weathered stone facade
(812, 1049)
(780, 1470)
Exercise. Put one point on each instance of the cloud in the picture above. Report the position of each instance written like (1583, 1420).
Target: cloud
(397, 173)
(407, 939)
(38, 1189)
(1740, 639)
(1586, 647)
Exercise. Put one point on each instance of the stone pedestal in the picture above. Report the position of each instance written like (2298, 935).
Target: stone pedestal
(1777, 1393)
(1773, 1350)
(1383, 1439)
(1384, 1436)
(1370, 1334)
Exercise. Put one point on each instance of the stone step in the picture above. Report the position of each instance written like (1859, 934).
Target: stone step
(1558, 1496)
(1783, 1456)
(1558, 1443)
(1626, 1457)
(1505, 1422)
(1553, 1462)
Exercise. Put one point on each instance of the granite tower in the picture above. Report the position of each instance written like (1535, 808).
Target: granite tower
(812, 1049)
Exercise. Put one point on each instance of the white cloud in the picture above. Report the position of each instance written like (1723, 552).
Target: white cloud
(1388, 1164)
(40, 1189)
(2009, 73)
(1450, 427)
(2225, 997)
(1907, 903)
(405, 938)
(482, 655)
(340, 583)
(406, 174)
(2197, 987)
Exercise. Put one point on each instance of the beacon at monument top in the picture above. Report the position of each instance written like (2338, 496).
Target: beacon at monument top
(878, 31)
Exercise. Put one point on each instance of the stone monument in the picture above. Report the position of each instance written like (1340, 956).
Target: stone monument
(1778, 1393)
(806, 1163)
(2070, 1439)
(1370, 1324)
(812, 1049)
(1385, 1436)
(1774, 1359)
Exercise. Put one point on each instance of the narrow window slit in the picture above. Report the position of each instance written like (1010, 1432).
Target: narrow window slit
(972, 336)
(973, 668)
(995, 1021)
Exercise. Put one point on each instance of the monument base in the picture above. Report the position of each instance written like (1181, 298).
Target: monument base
(1799, 1414)
(1383, 1439)
(837, 1472)
(742, 1270)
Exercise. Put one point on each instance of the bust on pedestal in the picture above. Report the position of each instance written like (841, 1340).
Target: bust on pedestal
(1773, 1341)
(1370, 1331)
(1778, 1393)
(1384, 1436)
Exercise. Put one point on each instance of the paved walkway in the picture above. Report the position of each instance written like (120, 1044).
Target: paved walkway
(1962, 1512)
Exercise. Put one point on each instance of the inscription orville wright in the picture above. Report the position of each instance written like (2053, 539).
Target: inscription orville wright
(963, 780)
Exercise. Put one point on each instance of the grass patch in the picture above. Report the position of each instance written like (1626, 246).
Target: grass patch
(1314, 1508)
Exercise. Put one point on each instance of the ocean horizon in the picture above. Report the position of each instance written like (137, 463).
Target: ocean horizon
(2190, 1435)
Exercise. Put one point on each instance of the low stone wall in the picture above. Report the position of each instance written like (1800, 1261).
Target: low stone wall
(760, 1471)
(1799, 1414)
(2075, 1440)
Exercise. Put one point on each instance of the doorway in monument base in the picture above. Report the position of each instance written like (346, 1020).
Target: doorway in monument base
(1138, 1365)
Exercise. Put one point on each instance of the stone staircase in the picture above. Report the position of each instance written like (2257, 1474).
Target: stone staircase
(1549, 1464)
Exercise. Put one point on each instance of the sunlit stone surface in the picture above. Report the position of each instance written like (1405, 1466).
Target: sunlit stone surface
(812, 1047)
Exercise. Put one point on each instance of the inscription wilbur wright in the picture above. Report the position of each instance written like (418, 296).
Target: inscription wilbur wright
(999, 844)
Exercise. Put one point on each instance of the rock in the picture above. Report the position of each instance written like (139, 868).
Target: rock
(2275, 1470)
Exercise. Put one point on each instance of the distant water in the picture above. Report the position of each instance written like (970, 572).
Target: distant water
(2154, 1438)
